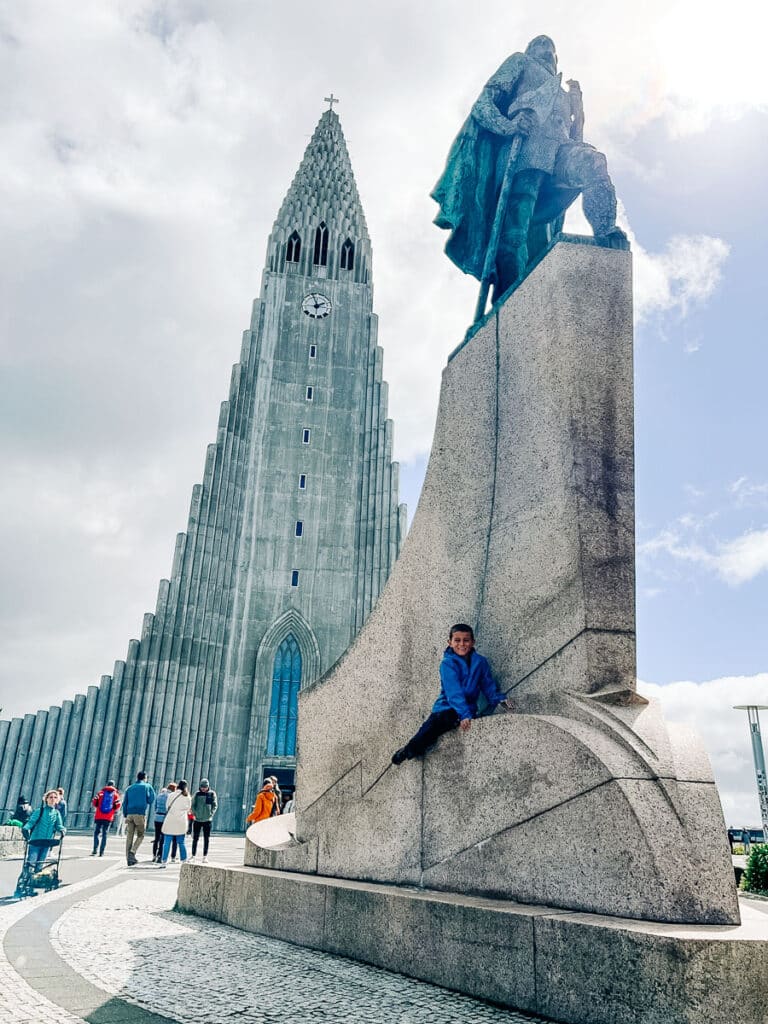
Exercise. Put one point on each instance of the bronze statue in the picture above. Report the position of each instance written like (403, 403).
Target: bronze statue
(515, 167)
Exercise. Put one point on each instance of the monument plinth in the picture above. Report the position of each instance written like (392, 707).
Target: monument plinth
(580, 834)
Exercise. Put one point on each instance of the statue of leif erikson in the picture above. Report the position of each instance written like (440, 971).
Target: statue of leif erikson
(515, 167)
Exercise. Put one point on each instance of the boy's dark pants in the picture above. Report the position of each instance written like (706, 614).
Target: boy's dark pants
(157, 843)
(100, 829)
(434, 727)
(197, 827)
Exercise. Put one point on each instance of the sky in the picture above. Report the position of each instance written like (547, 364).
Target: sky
(147, 147)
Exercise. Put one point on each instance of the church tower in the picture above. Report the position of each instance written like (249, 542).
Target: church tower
(291, 536)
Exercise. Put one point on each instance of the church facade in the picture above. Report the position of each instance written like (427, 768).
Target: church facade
(291, 536)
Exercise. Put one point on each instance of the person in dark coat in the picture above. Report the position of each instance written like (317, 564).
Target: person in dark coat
(22, 810)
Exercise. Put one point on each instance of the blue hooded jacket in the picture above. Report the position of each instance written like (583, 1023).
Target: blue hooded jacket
(462, 684)
(138, 798)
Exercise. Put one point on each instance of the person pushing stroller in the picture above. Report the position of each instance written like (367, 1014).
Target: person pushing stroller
(42, 832)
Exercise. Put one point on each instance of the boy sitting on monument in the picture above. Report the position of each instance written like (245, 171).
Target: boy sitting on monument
(464, 675)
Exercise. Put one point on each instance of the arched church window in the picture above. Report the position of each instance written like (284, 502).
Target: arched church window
(293, 249)
(283, 712)
(320, 258)
(348, 255)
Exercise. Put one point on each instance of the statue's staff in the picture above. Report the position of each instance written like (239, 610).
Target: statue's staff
(489, 266)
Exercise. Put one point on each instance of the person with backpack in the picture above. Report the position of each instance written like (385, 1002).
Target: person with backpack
(107, 803)
(137, 800)
(42, 828)
(204, 805)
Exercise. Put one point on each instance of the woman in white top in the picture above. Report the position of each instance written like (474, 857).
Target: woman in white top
(175, 822)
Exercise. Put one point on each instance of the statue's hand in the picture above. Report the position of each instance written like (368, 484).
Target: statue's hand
(522, 123)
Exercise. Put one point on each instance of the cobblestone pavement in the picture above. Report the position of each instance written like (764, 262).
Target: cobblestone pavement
(129, 943)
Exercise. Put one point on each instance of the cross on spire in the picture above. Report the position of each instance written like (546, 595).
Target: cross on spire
(330, 100)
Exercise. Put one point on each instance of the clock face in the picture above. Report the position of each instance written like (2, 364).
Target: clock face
(316, 305)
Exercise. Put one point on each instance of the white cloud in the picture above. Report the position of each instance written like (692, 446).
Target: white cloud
(741, 559)
(748, 493)
(683, 275)
(146, 148)
(735, 561)
(706, 706)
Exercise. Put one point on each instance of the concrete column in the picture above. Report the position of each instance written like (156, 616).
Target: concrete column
(60, 744)
(20, 760)
(103, 769)
(130, 761)
(89, 762)
(9, 750)
(74, 809)
(5, 726)
(68, 765)
(122, 742)
(49, 737)
(172, 640)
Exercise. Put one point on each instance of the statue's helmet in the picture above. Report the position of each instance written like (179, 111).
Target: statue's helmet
(540, 43)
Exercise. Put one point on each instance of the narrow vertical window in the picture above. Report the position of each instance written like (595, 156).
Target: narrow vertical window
(293, 248)
(320, 257)
(284, 708)
(310, 393)
(305, 436)
(302, 481)
(348, 255)
(299, 528)
(313, 351)
(294, 577)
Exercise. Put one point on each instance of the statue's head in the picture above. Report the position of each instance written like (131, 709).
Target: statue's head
(542, 50)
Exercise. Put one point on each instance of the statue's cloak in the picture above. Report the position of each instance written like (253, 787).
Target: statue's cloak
(468, 189)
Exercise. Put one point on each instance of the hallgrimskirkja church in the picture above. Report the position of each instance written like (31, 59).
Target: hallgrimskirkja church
(291, 537)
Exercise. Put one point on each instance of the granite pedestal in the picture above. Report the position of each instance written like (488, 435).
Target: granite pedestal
(583, 805)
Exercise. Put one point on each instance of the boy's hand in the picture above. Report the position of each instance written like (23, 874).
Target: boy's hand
(464, 724)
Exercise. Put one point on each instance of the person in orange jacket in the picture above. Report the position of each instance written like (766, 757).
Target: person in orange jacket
(265, 802)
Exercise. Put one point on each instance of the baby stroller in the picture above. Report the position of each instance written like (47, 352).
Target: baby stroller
(43, 874)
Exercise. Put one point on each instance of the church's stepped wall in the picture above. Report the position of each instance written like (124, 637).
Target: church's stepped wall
(191, 697)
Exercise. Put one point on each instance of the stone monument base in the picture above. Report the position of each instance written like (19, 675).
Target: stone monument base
(573, 967)
(11, 842)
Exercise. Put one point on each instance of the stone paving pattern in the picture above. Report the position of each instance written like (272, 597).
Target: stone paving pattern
(128, 942)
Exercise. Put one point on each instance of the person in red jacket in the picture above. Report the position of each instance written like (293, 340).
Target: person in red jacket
(107, 804)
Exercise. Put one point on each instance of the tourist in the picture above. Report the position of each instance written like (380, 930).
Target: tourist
(264, 805)
(61, 806)
(137, 800)
(464, 675)
(204, 806)
(290, 803)
(277, 809)
(22, 810)
(175, 823)
(107, 804)
(41, 829)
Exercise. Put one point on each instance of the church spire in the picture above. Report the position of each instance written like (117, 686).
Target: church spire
(321, 223)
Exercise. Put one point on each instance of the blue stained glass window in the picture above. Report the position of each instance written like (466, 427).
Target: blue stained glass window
(283, 713)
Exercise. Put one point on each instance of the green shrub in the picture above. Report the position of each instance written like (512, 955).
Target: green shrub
(755, 877)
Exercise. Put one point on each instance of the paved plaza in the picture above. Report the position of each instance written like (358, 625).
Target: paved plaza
(108, 948)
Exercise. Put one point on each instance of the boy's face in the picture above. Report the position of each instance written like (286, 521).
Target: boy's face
(461, 643)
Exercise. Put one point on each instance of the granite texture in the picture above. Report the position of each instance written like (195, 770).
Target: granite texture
(11, 842)
(572, 967)
(525, 528)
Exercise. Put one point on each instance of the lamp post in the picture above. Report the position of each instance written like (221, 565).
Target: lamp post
(757, 752)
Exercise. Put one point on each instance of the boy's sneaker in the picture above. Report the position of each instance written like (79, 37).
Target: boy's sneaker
(192, 859)
(132, 860)
(205, 860)
(161, 865)
(173, 860)
(399, 756)
(94, 853)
